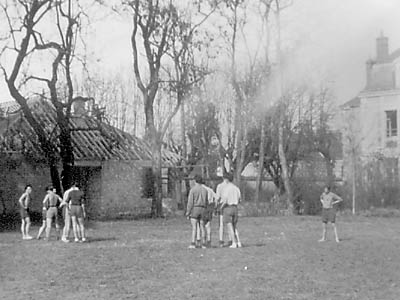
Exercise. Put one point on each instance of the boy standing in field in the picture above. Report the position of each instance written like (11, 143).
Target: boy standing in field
(66, 213)
(328, 200)
(76, 205)
(50, 202)
(220, 212)
(197, 203)
(230, 199)
(211, 199)
(24, 201)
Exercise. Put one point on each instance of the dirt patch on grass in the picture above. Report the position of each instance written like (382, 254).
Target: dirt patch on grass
(149, 259)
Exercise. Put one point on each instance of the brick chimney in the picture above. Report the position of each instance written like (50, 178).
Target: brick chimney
(382, 49)
(79, 107)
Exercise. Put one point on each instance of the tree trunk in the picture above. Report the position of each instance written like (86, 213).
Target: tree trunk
(184, 172)
(260, 163)
(156, 204)
(67, 155)
(329, 171)
(285, 172)
(241, 156)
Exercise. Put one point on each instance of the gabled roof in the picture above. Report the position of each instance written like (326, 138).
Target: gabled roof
(92, 140)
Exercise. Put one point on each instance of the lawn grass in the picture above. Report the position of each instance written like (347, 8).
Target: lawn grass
(149, 259)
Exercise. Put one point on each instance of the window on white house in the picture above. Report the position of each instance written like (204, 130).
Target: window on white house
(391, 123)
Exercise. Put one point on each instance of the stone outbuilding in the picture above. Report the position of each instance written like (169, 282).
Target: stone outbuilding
(113, 167)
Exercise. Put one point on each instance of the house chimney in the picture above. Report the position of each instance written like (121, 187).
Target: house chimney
(78, 107)
(382, 49)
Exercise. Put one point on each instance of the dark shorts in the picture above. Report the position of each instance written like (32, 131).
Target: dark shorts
(76, 211)
(52, 212)
(24, 213)
(231, 214)
(219, 210)
(208, 214)
(198, 213)
(328, 215)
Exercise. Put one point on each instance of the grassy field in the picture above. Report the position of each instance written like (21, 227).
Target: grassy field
(149, 259)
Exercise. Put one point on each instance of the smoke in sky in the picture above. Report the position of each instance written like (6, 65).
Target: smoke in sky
(328, 40)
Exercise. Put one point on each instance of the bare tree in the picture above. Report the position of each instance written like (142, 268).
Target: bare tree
(279, 6)
(25, 41)
(265, 10)
(163, 33)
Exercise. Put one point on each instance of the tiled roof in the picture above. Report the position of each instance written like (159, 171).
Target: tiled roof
(92, 140)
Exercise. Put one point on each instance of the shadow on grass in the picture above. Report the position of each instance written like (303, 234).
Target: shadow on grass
(243, 246)
(102, 239)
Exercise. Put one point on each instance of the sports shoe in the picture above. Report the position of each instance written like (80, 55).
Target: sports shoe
(28, 237)
(233, 246)
(322, 240)
(337, 240)
(191, 246)
(239, 245)
(63, 239)
(83, 240)
(76, 240)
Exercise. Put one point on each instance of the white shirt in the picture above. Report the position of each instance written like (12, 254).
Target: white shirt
(228, 193)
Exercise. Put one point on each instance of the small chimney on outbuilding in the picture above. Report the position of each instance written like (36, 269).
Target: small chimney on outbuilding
(382, 49)
(79, 107)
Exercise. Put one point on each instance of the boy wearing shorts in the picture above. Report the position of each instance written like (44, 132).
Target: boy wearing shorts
(197, 203)
(66, 214)
(24, 201)
(211, 199)
(75, 200)
(51, 202)
(230, 199)
(328, 200)
(220, 212)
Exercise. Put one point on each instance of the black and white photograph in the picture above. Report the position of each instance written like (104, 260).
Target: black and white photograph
(199, 149)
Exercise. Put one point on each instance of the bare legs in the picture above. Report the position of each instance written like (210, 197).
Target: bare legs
(234, 235)
(335, 231)
(41, 229)
(78, 228)
(323, 239)
(25, 225)
(195, 224)
(48, 228)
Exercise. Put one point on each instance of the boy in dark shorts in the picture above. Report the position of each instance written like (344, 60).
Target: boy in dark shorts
(24, 201)
(230, 199)
(75, 200)
(328, 200)
(197, 203)
(220, 213)
(51, 202)
(66, 215)
(211, 199)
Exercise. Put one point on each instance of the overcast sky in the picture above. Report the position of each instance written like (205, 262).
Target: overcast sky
(333, 40)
